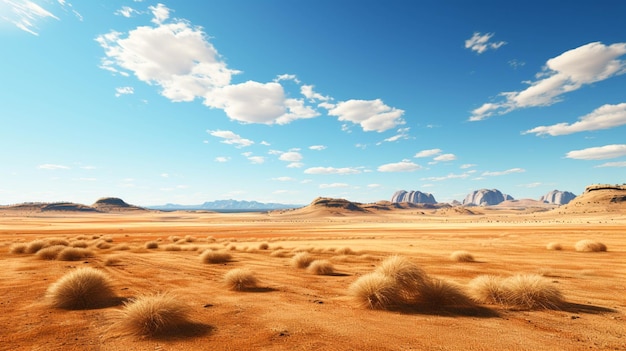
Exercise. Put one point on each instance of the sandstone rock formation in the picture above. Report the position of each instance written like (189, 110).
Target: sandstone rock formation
(485, 197)
(416, 197)
(558, 197)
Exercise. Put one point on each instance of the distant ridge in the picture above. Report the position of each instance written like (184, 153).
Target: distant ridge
(114, 204)
(226, 205)
(106, 204)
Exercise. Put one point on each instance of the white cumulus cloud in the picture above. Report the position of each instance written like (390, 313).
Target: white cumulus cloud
(231, 138)
(565, 73)
(331, 170)
(480, 42)
(428, 153)
(604, 117)
(371, 115)
(445, 158)
(598, 153)
(501, 173)
(317, 147)
(290, 156)
(402, 166)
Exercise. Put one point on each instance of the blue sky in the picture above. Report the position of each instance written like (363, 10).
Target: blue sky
(283, 101)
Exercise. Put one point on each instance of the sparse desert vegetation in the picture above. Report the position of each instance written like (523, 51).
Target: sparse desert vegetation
(462, 256)
(81, 288)
(301, 260)
(210, 256)
(154, 315)
(589, 246)
(554, 246)
(321, 267)
(525, 291)
(240, 279)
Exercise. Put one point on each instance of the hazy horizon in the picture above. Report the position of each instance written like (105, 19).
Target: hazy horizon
(282, 102)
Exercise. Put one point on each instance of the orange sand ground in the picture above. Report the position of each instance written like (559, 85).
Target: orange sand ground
(296, 310)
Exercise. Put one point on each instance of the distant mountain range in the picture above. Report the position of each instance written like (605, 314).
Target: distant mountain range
(227, 206)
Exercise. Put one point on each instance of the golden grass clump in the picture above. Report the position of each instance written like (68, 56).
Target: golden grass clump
(57, 241)
(112, 260)
(102, 245)
(79, 243)
(155, 315)
(172, 247)
(407, 274)
(50, 252)
(209, 256)
(345, 251)
(462, 256)
(240, 279)
(554, 246)
(264, 246)
(526, 291)
(321, 267)
(589, 246)
(35, 246)
(301, 260)
(18, 248)
(74, 254)
(152, 245)
(121, 247)
(81, 288)
(280, 253)
(437, 293)
(375, 291)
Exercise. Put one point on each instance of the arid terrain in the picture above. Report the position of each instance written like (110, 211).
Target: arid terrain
(294, 309)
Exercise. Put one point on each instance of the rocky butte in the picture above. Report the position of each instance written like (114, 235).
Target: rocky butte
(485, 197)
(416, 197)
(558, 197)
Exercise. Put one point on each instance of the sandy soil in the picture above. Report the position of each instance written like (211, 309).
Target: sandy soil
(297, 310)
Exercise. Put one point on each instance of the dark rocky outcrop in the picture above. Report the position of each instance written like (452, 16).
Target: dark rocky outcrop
(112, 204)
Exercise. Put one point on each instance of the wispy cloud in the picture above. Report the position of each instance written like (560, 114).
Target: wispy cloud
(124, 91)
(371, 115)
(604, 117)
(333, 185)
(222, 159)
(565, 73)
(231, 138)
(480, 42)
(467, 165)
(332, 170)
(25, 14)
(50, 166)
(402, 166)
(317, 147)
(612, 164)
(501, 173)
(126, 11)
(291, 156)
(284, 179)
(428, 153)
(445, 158)
(402, 133)
(598, 153)
(256, 159)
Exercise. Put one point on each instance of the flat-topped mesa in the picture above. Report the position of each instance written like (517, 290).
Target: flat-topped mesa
(108, 204)
(416, 197)
(593, 187)
(485, 197)
(558, 197)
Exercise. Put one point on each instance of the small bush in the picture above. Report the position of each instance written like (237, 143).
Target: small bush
(264, 246)
(50, 252)
(19, 248)
(57, 241)
(79, 243)
(554, 246)
(174, 238)
(462, 256)
(121, 247)
(35, 246)
(155, 315)
(81, 288)
(103, 245)
(112, 261)
(74, 254)
(152, 245)
(301, 260)
(530, 291)
(215, 257)
(345, 251)
(376, 291)
(409, 277)
(321, 267)
(589, 246)
(171, 247)
(280, 253)
(240, 279)
(440, 293)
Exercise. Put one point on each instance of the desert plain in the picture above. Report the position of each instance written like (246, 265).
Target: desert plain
(293, 308)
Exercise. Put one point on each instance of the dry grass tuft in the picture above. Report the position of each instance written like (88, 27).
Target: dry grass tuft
(345, 251)
(50, 252)
(102, 245)
(35, 246)
(301, 260)
(440, 293)
(172, 247)
(209, 256)
(589, 246)
(57, 241)
(264, 246)
(155, 315)
(280, 253)
(462, 256)
(240, 279)
(121, 247)
(74, 254)
(554, 246)
(526, 291)
(79, 243)
(81, 288)
(375, 291)
(321, 267)
(409, 277)
(113, 260)
(152, 245)
(18, 248)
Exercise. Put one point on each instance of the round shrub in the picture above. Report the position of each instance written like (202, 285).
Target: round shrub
(155, 315)
(589, 246)
(240, 279)
(81, 288)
